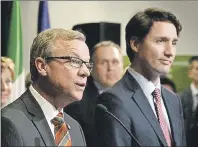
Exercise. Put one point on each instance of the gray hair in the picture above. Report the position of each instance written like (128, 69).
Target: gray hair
(45, 41)
(104, 44)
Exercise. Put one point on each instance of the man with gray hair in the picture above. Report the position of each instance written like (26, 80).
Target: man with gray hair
(107, 70)
(59, 67)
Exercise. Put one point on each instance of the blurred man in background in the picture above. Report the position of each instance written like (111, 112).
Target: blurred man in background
(59, 66)
(190, 102)
(107, 70)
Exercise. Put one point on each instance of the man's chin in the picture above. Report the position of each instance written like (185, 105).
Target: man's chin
(108, 84)
(77, 96)
(164, 71)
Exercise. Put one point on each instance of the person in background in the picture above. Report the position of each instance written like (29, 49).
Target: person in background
(189, 99)
(152, 114)
(59, 67)
(168, 83)
(7, 77)
(108, 64)
(107, 70)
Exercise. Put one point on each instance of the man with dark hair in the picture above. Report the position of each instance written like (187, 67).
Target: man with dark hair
(152, 114)
(190, 102)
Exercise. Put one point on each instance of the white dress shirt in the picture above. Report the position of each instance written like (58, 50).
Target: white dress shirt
(48, 109)
(194, 96)
(148, 87)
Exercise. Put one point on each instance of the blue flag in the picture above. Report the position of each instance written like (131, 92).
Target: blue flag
(43, 16)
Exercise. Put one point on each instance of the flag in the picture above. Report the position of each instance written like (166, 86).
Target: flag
(6, 7)
(43, 17)
(15, 50)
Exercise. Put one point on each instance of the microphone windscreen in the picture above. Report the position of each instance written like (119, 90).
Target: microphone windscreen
(102, 107)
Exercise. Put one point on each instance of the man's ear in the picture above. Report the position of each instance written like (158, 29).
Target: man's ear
(134, 45)
(41, 66)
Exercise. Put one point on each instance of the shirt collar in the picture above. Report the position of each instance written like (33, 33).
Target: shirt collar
(48, 109)
(193, 89)
(147, 86)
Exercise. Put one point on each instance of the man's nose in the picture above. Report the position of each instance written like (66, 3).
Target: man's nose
(170, 49)
(110, 66)
(4, 85)
(84, 71)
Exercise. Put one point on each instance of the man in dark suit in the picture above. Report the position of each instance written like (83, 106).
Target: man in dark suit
(107, 70)
(59, 66)
(152, 114)
(190, 102)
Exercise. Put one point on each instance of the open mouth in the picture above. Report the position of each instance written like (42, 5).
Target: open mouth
(81, 85)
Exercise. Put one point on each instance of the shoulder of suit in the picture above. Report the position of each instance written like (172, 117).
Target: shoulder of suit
(170, 93)
(14, 106)
(185, 93)
(14, 111)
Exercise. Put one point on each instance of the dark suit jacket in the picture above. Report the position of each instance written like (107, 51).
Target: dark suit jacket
(83, 111)
(192, 135)
(187, 102)
(24, 124)
(127, 101)
(191, 122)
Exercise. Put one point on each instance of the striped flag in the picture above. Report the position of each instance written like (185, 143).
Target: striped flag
(15, 50)
(43, 17)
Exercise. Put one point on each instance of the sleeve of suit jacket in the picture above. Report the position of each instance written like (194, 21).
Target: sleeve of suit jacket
(9, 135)
(109, 131)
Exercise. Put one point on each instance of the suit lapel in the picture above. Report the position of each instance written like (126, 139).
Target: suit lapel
(144, 106)
(169, 101)
(45, 132)
(38, 119)
(72, 131)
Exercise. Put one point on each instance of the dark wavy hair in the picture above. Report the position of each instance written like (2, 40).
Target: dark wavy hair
(140, 24)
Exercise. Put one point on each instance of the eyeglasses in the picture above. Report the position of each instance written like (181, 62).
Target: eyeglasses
(74, 61)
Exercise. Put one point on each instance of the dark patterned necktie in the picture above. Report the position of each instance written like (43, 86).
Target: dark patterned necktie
(157, 96)
(62, 136)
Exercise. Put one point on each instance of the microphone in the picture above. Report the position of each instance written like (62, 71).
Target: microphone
(102, 107)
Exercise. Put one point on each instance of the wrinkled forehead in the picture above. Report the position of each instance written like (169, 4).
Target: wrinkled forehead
(60, 44)
(64, 45)
(68, 47)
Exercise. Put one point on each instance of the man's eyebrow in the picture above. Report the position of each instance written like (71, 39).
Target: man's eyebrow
(175, 39)
(166, 38)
